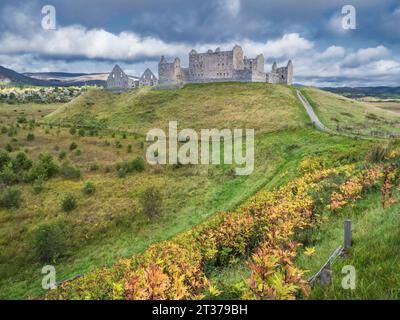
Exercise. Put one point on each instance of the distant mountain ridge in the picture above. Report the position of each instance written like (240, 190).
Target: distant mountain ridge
(50, 79)
(20, 79)
(360, 92)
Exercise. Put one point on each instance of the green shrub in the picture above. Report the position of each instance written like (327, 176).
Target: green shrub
(68, 203)
(4, 159)
(72, 131)
(118, 144)
(123, 168)
(8, 147)
(10, 198)
(78, 152)
(12, 131)
(141, 145)
(124, 136)
(21, 119)
(69, 171)
(30, 136)
(73, 146)
(129, 148)
(4, 130)
(22, 162)
(94, 167)
(137, 164)
(62, 155)
(44, 166)
(8, 175)
(81, 132)
(89, 188)
(38, 185)
(151, 202)
(49, 241)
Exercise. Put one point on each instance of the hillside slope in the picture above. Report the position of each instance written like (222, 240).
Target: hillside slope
(264, 107)
(338, 112)
(18, 79)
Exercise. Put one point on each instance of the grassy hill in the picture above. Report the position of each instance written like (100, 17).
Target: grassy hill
(265, 108)
(111, 222)
(351, 115)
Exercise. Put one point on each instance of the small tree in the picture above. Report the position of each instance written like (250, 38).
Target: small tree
(10, 198)
(151, 202)
(30, 137)
(68, 203)
(73, 146)
(49, 241)
(89, 188)
(72, 131)
(137, 164)
(38, 185)
(62, 155)
(4, 159)
(21, 162)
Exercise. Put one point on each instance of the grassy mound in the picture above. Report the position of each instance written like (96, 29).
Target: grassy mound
(262, 107)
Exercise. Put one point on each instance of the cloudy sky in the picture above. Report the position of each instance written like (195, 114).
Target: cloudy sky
(92, 35)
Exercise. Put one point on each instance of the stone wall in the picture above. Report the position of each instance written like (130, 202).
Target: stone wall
(221, 66)
(117, 79)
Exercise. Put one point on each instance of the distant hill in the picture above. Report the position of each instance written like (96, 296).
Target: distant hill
(18, 79)
(49, 79)
(74, 79)
(360, 92)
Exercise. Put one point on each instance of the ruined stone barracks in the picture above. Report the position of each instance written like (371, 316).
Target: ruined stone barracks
(222, 66)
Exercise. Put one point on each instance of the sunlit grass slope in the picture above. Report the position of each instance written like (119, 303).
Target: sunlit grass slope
(351, 115)
(262, 107)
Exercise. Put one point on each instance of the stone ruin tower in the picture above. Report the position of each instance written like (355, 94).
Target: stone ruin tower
(222, 66)
(282, 75)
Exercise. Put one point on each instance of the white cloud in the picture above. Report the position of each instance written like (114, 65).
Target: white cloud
(332, 52)
(289, 45)
(232, 7)
(76, 41)
(363, 56)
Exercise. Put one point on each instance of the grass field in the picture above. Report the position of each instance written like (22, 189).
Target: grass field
(111, 223)
(350, 115)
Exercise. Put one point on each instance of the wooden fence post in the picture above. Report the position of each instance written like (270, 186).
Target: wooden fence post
(347, 234)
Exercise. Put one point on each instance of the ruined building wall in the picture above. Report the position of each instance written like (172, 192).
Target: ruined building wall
(282, 75)
(170, 73)
(117, 79)
(218, 66)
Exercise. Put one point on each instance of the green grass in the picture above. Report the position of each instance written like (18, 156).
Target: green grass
(351, 115)
(373, 253)
(10, 112)
(262, 107)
